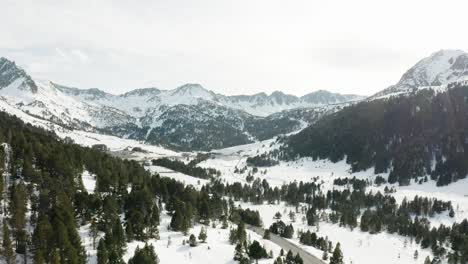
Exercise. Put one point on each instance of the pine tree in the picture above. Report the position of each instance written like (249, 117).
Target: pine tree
(238, 252)
(129, 232)
(146, 255)
(118, 238)
(7, 247)
(278, 216)
(256, 251)
(202, 236)
(102, 253)
(154, 222)
(192, 241)
(225, 223)
(298, 259)
(451, 213)
(55, 258)
(18, 218)
(427, 260)
(278, 260)
(43, 236)
(241, 233)
(39, 257)
(325, 255)
(337, 257)
(289, 257)
(93, 229)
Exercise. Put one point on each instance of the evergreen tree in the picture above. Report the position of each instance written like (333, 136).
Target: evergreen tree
(238, 252)
(55, 258)
(278, 260)
(325, 255)
(256, 251)
(18, 216)
(337, 257)
(102, 254)
(202, 236)
(427, 260)
(93, 229)
(225, 223)
(7, 247)
(129, 232)
(298, 259)
(154, 222)
(146, 255)
(192, 241)
(39, 257)
(289, 258)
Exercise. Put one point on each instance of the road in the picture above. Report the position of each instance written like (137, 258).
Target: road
(286, 245)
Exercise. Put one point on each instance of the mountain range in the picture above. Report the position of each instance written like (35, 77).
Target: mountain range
(191, 117)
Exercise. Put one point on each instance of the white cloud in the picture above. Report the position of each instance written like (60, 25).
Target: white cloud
(243, 46)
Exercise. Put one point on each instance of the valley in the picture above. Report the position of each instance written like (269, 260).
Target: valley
(193, 176)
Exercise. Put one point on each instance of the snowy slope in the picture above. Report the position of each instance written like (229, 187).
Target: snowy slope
(434, 72)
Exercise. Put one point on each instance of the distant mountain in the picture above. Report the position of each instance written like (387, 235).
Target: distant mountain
(262, 104)
(189, 117)
(191, 94)
(439, 69)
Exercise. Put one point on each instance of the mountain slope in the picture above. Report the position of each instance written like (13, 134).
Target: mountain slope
(409, 137)
(440, 68)
(15, 76)
(186, 118)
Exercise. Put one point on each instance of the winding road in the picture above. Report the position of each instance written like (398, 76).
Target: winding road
(286, 245)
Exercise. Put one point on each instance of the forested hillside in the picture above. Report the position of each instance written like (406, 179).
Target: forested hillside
(44, 199)
(408, 136)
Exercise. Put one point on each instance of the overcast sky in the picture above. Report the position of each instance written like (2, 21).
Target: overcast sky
(231, 47)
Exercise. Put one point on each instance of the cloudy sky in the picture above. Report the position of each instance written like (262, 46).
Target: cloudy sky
(231, 47)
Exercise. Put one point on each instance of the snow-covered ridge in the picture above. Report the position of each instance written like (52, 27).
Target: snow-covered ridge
(154, 115)
(191, 94)
(434, 72)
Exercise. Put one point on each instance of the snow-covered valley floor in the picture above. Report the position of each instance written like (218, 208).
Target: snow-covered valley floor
(358, 247)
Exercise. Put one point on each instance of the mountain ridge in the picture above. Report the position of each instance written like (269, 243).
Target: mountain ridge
(435, 72)
(184, 118)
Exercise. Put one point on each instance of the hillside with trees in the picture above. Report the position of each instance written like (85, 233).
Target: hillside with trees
(408, 136)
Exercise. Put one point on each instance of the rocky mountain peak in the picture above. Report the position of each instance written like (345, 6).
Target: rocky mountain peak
(440, 68)
(192, 90)
(10, 74)
(151, 91)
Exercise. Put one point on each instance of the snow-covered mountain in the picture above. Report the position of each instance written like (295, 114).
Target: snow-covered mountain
(10, 74)
(262, 104)
(188, 117)
(136, 102)
(437, 70)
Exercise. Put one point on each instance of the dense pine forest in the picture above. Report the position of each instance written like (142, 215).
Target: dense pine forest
(44, 199)
(188, 169)
(407, 136)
